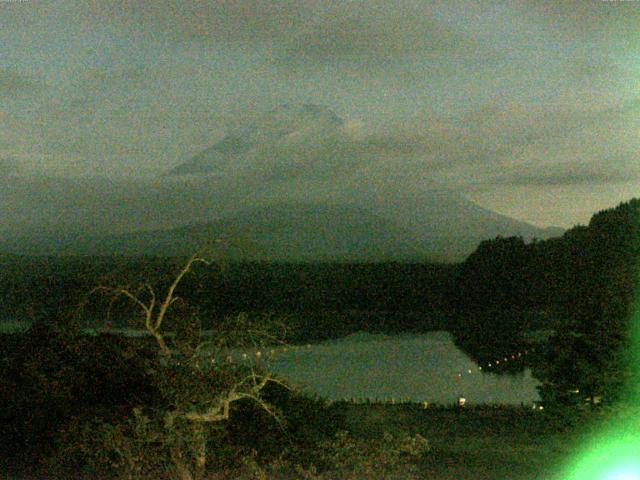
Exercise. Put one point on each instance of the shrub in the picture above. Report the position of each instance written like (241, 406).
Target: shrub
(348, 458)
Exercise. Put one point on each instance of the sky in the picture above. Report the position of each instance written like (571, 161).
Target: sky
(531, 109)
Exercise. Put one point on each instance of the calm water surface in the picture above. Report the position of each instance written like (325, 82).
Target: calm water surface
(418, 367)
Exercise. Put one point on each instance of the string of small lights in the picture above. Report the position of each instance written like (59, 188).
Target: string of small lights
(494, 364)
(272, 353)
(259, 355)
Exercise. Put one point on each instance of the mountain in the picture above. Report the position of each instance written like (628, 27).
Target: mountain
(293, 183)
(435, 224)
(276, 127)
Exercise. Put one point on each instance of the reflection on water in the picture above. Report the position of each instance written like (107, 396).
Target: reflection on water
(427, 367)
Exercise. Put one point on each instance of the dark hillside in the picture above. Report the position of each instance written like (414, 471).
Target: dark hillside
(580, 286)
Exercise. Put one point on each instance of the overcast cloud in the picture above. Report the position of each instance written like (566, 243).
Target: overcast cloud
(507, 101)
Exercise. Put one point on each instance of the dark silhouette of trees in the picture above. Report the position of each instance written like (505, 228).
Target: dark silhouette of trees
(588, 353)
(581, 286)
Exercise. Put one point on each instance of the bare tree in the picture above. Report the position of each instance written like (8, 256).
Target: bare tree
(193, 408)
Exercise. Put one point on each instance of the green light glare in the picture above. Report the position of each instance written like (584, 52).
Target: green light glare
(625, 473)
(614, 452)
(613, 456)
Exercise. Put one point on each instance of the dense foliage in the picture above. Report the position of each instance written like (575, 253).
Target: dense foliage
(317, 300)
(52, 379)
(580, 286)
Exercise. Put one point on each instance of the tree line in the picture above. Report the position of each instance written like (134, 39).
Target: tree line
(580, 287)
(50, 287)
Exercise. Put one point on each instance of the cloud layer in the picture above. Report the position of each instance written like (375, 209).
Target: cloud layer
(477, 95)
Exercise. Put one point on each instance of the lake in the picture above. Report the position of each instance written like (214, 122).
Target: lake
(414, 367)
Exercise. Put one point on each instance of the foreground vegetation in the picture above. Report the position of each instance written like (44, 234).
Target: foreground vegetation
(80, 405)
(74, 405)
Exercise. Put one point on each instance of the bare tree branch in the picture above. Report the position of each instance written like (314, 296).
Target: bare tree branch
(169, 297)
(153, 324)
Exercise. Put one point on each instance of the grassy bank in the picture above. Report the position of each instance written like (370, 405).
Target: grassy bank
(482, 443)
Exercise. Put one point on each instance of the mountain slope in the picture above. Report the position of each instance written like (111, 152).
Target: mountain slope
(280, 232)
(279, 127)
(296, 233)
(166, 218)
